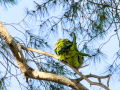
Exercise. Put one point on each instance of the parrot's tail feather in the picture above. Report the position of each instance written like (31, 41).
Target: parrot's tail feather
(82, 54)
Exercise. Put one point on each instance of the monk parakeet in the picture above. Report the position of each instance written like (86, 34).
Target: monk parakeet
(67, 51)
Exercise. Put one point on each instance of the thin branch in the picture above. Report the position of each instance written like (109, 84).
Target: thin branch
(39, 51)
(94, 76)
(100, 47)
(108, 81)
(118, 37)
(90, 82)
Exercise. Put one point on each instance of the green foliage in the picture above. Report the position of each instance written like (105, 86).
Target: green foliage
(2, 84)
(7, 3)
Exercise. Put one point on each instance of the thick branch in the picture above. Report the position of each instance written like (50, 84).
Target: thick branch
(28, 71)
(51, 77)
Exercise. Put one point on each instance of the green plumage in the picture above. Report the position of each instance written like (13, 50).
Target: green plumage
(67, 51)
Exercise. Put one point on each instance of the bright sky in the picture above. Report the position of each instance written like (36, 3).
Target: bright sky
(17, 13)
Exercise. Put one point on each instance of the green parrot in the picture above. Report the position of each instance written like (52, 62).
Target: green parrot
(67, 51)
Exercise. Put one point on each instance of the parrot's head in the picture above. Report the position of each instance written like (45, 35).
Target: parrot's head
(57, 43)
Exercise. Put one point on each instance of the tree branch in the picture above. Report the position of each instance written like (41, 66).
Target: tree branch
(75, 70)
(90, 82)
(94, 76)
(29, 72)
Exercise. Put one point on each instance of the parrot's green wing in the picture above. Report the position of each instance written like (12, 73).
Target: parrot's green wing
(64, 48)
(80, 60)
(78, 57)
(67, 45)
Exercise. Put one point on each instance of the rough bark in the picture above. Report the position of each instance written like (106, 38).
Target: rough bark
(27, 71)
